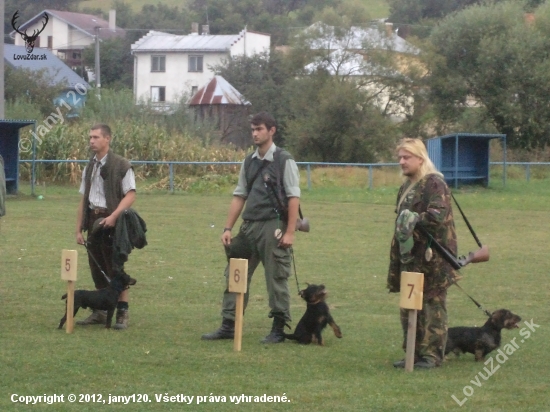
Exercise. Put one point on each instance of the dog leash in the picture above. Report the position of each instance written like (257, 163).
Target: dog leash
(295, 273)
(479, 306)
(85, 244)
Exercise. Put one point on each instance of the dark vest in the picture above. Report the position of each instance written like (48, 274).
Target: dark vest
(259, 203)
(112, 172)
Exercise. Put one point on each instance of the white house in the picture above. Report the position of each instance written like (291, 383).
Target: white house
(66, 34)
(346, 53)
(168, 67)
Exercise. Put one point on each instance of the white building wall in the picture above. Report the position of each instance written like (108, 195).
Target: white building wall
(78, 39)
(251, 43)
(177, 78)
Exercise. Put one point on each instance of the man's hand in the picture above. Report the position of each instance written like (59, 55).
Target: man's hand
(226, 237)
(109, 221)
(287, 240)
(79, 238)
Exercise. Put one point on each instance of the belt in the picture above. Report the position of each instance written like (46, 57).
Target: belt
(98, 211)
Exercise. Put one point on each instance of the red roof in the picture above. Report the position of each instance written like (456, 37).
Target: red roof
(217, 91)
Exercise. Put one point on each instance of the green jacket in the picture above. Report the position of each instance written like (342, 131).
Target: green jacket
(431, 199)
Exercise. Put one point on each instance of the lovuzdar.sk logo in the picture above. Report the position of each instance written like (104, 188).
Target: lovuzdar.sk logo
(29, 40)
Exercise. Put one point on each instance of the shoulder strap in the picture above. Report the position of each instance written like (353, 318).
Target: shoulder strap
(466, 221)
(250, 182)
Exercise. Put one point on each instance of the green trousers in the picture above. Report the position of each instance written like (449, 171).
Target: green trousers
(431, 329)
(276, 262)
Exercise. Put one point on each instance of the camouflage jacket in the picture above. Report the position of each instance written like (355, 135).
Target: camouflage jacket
(431, 199)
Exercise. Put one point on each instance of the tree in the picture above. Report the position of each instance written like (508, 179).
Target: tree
(334, 121)
(36, 87)
(414, 11)
(490, 56)
(116, 62)
(262, 79)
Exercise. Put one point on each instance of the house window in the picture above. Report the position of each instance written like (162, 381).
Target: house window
(37, 42)
(194, 89)
(158, 94)
(158, 63)
(195, 63)
(50, 42)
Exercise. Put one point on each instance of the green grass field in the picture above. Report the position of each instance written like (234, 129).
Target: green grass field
(376, 8)
(178, 294)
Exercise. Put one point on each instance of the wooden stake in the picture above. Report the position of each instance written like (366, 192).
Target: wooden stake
(411, 341)
(412, 293)
(238, 323)
(70, 306)
(238, 278)
(69, 261)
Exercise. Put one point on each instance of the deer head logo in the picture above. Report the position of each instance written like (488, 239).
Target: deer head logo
(29, 40)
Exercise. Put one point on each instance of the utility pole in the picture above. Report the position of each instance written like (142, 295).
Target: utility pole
(2, 11)
(97, 65)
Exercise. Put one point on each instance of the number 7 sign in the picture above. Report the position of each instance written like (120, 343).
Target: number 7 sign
(412, 290)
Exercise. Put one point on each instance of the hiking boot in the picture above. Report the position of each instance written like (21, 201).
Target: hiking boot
(277, 331)
(98, 317)
(122, 318)
(399, 364)
(225, 331)
(425, 363)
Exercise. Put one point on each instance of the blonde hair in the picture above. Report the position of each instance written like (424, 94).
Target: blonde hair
(417, 148)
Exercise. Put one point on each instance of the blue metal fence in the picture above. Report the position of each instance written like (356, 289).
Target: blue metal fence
(307, 165)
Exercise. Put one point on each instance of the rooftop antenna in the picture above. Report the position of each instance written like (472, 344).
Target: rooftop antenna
(207, 22)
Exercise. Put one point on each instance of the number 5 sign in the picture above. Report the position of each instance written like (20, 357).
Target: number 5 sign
(68, 264)
(68, 273)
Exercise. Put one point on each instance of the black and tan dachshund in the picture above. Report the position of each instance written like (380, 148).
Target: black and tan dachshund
(481, 340)
(316, 318)
(102, 299)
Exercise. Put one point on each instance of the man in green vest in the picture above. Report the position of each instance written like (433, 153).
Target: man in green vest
(266, 235)
(108, 188)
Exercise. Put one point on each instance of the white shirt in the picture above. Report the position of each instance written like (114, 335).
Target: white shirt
(97, 192)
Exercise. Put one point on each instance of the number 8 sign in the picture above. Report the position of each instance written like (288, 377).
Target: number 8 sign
(412, 290)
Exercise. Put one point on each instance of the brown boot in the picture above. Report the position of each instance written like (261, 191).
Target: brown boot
(98, 317)
(122, 318)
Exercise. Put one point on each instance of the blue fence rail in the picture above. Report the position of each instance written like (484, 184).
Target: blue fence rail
(307, 165)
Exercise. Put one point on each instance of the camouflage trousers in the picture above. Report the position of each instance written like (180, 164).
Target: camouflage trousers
(431, 329)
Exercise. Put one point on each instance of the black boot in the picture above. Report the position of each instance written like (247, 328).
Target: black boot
(225, 331)
(277, 331)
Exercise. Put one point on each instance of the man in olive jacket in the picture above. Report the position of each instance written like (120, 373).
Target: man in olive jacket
(423, 199)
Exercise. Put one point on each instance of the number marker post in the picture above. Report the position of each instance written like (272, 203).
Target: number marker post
(412, 292)
(69, 260)
(238, 277)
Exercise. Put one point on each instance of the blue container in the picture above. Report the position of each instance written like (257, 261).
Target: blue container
(9, 149)
(463, 158)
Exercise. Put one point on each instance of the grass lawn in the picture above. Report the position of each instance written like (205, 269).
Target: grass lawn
(377, 8)
(178, 295)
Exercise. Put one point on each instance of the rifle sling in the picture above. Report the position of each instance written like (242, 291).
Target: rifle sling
(466, 221)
